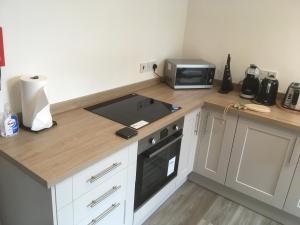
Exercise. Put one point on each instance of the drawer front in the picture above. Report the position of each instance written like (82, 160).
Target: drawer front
(65, 215)
(111, 214)
(91, 177)
(64, 193)
(101, 197)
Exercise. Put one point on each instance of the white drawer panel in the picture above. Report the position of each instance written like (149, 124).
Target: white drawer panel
(65, 215)
(110, 214)
(91, 177)
(64, 193)
(101, 197)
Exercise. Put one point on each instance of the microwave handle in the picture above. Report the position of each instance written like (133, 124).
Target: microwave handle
(151, 155)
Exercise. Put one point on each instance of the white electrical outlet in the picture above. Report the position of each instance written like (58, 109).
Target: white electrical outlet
(147, 67)
(143, 67)
(269, 72)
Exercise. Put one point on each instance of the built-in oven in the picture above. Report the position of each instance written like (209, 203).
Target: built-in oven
(157, 161)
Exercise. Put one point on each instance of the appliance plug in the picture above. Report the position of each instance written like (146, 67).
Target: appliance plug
(154, 67)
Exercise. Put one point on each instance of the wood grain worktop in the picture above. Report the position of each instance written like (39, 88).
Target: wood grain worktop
(278, 115)
(83, 138)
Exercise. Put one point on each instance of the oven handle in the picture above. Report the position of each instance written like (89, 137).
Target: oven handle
(162, 148)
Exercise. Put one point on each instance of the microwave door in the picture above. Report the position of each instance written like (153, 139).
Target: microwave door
(191, 76)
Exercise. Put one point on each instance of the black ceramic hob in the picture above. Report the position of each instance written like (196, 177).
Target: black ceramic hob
(133, 110)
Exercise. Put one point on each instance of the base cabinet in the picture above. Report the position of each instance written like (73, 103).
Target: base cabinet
(188, 145)
(215, 143)
(263, 161)
(101, 194)
(292, 203)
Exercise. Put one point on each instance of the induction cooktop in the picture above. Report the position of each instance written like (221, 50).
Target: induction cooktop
(133, 110)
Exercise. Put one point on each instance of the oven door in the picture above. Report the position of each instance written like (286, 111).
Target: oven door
(187, 77)
(156, 167)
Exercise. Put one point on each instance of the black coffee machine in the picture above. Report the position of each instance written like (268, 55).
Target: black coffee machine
(251, 82)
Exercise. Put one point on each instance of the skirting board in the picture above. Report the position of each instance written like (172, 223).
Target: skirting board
(248, 202)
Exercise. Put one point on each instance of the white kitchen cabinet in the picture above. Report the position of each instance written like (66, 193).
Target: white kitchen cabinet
(100, 194)
(292, 203)
(263, 161)
(101, 191)
(188, 145)
(215, 143)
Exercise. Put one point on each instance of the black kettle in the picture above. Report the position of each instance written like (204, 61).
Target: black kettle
(268, 91)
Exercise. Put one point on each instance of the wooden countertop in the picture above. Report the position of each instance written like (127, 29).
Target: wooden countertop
(278, 115)
(83, 138)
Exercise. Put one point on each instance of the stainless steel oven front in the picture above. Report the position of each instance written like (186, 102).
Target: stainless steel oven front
(157, 161)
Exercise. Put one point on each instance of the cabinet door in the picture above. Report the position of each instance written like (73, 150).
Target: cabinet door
(263, 161)
(188, 145)
(215, 143)
(292, 203)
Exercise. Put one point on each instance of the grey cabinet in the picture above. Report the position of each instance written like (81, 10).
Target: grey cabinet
(292, 203)
(263, 161)
(215, 143)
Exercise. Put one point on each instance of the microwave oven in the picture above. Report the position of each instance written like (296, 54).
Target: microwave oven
(189, 73)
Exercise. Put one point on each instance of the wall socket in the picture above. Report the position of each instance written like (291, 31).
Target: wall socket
(147, 67)
(269, 72)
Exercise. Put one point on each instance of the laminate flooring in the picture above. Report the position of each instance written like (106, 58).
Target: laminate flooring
(194, 205)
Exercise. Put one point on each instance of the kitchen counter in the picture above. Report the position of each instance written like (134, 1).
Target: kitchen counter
(83, 138)
(278, 115)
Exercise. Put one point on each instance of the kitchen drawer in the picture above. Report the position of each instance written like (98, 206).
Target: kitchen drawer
(91, 177)
(101, 197)
(65, 215)
(64, 193)
(110, 214)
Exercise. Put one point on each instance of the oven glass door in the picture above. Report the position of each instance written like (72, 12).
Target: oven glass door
(194, 76)
(155, 168)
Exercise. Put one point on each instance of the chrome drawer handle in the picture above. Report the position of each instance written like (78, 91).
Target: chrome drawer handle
(104, 214)
(92, 179)
(103, 197)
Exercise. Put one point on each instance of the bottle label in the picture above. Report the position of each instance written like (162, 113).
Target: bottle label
(11, 125)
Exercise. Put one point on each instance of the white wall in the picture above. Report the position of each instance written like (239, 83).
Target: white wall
(264, 32)
(86, 46)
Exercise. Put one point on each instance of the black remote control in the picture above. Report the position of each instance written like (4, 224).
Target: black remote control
(126, 132)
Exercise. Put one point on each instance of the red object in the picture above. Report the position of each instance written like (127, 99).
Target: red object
(2, 59)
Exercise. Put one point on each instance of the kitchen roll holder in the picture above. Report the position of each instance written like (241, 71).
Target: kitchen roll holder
(54, 124)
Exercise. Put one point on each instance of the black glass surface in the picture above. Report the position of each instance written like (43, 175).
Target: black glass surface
(194, 76)
(133, 108)
(152, 173)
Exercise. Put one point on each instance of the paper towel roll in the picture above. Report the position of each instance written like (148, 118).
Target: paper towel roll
(35, 105)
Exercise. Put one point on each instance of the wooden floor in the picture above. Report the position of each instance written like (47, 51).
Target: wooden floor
(194, 205)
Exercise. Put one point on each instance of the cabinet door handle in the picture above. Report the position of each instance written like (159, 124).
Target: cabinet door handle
(294, 154)
(104, 214)
(92, 179)
(206, 121)
(95, 202)
(196, 130)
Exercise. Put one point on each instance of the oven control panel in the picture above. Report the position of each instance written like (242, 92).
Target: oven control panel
(160, 135)
(163, 133)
